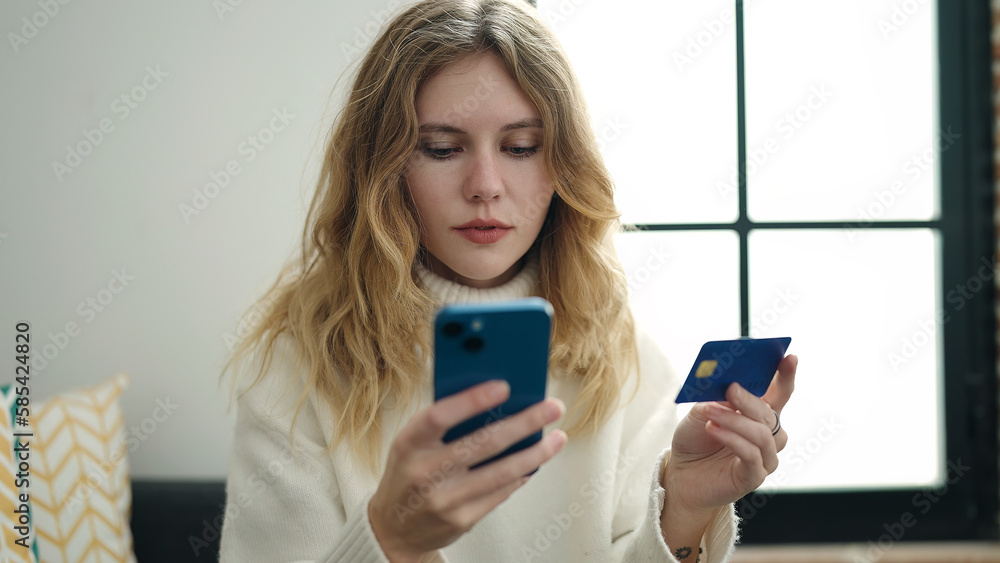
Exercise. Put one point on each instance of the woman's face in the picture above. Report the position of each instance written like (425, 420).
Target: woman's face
(477, 176)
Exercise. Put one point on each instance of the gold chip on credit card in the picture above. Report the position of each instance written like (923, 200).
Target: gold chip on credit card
(706, 368)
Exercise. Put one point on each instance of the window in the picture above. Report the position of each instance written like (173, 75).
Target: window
(821, 171)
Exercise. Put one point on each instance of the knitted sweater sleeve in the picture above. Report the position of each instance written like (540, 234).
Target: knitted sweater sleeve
(282, 499)
(650, 420)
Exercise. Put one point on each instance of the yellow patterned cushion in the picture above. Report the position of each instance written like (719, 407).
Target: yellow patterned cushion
(10, 550)
(80, 492)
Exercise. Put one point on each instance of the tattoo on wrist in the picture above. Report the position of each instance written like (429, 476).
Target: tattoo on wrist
(685, 552)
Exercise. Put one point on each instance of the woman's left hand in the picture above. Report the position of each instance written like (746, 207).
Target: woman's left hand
(723, 450)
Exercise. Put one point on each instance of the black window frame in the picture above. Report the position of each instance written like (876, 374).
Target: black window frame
(968, 510)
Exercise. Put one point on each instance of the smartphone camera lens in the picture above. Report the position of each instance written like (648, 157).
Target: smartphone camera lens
(452, 329)
(473, 344)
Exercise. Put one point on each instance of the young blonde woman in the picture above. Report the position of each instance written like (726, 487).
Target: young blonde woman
(463, 169)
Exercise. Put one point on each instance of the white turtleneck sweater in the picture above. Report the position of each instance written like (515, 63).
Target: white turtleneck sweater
(598, 500)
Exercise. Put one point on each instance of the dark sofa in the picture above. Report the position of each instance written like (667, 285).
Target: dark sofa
(177, 521)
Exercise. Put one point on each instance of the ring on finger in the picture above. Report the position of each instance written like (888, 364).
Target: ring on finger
(777, 423)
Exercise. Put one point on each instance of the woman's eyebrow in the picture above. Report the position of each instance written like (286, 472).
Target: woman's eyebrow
(529, 122)
(440, 128)
(522, 124)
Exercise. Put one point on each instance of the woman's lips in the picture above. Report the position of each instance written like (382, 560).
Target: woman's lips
(483, 235)
(484, 223)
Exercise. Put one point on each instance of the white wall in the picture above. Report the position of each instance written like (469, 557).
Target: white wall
(218, 76)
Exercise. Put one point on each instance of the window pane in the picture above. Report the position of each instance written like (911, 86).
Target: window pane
(660, 80)
(863, 314)
(684, 288)
(842, 126)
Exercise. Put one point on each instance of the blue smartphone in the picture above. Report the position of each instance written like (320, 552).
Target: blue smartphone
(508, 340)
(751, 362)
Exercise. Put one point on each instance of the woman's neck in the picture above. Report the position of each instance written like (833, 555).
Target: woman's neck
(441, 269)
(522, 283)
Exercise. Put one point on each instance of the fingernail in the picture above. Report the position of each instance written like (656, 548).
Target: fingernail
(559, 437)
(498, 389)
(554, 409)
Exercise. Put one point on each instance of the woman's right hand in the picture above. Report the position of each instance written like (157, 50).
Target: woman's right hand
(428, 496)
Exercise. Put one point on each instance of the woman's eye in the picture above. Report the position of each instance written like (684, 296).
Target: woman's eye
(522, 152)
(444, 153)
(440, 153)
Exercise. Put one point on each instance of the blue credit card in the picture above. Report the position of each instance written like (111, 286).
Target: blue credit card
(751, 362)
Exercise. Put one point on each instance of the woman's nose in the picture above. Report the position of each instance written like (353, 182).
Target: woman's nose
(485, 179)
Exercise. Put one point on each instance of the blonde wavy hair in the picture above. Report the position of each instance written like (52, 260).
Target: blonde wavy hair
(353, 301)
